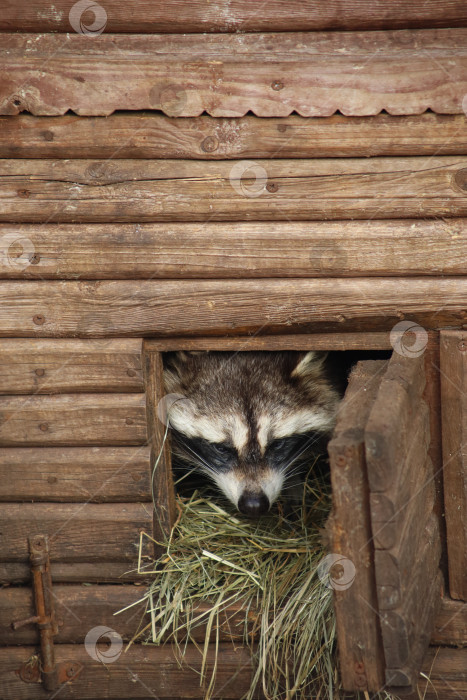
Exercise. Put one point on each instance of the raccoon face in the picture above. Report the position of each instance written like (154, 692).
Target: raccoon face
(248, 420)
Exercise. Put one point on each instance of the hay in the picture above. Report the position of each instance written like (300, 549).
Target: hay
(268, 568)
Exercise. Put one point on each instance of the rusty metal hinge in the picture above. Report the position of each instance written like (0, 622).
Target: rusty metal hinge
(43, 669)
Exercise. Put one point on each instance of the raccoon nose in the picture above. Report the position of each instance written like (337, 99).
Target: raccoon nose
(253, 504)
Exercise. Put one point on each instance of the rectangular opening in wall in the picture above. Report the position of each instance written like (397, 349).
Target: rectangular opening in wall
(237, 421)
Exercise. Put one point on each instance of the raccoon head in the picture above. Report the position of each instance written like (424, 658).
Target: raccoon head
(247, 419)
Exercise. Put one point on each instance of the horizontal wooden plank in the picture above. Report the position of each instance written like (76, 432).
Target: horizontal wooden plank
(60, 366)
(77, 607)
(228, 250)
(19, 573)
(34, 191)
(315, 341)
(141, 672)
(183, 307)
(73, 420)
(84, 532)
(239, 15)
(145, 672)
(314, 74)
(451, 624)
(152, 135)
(92, 474)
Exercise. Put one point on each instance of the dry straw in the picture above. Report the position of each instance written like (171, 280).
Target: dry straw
(267, 569)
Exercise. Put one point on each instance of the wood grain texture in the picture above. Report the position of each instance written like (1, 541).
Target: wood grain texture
(141, 672)
(152, 135)
(183, 16)
(19, 573)
(314, 341)
(83, 191)
(394, 414)
(314, 74)
(453, 365)
(451, 624)
(239, 307)
(68, 366)
(361, 658)
(84, 532)
(73, 420)
(75, 474)
(144, 671)
(232, 250)
(404, 528)
(162, 485)
(78, 606)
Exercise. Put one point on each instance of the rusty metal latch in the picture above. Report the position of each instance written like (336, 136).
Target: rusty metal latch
(43, 668)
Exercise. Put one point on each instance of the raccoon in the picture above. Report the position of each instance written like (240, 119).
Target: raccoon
(248, 420)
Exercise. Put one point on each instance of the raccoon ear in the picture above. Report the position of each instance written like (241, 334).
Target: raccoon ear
(309, 364)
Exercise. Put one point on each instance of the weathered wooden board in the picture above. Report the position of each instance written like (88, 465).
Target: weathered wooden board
(141, 672)
(315, 341)
(238, 15)
(162, 485)
(95, 474)
(451, 624)
(19, 573)
(407, 631)
(360, 645)
(152, 135)
(214, 307)
(314, 74)
(402, 497)
(392, 421)
(395, 566)
(145, 672)
(68, 191)
(68, 366)
(84, 532)
(391, 508)
(231, 250)
(445, 676)
(73, 420)
(77, 608)
(453, 356)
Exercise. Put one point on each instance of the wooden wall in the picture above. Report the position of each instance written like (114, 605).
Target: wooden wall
(292, 179)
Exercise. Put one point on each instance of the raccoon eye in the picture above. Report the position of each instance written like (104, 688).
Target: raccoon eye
(221, 450)
(278, 445)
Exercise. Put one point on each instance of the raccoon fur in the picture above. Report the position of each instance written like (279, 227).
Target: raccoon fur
(248, 420)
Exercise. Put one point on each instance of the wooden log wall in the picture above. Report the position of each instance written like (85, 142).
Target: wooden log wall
(74, 459)
(117, 226)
